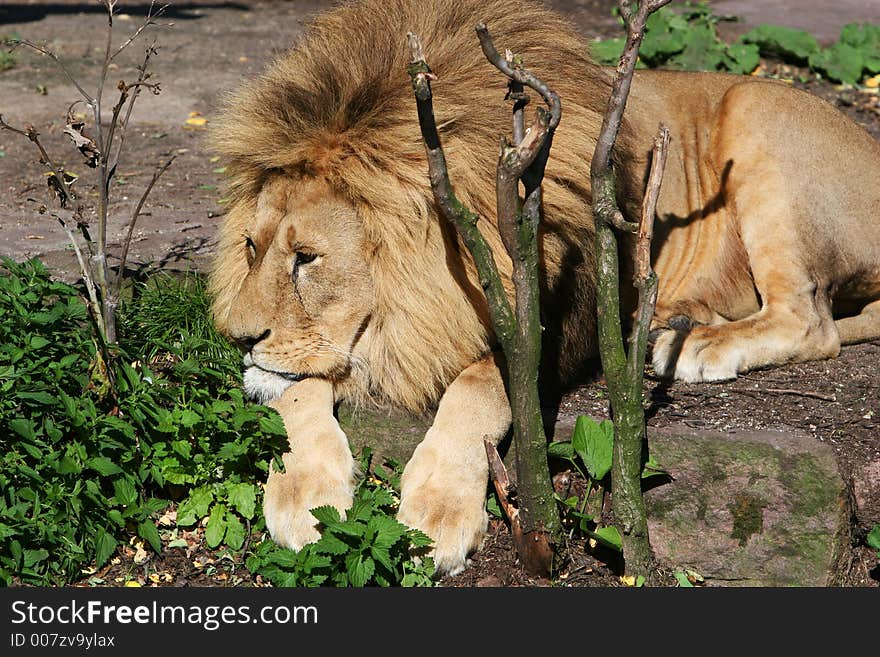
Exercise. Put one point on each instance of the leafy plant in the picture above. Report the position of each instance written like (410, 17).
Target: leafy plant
(685, 37)
(85, 465)
(369, 547)
(590, 453)
(873, 539)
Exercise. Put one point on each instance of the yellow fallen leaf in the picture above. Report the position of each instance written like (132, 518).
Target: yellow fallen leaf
(133, 584)
(628, 580)
(873, 83)
(197, 121)
(154, 578)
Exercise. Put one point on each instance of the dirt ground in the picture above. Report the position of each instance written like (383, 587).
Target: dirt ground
(208, 50)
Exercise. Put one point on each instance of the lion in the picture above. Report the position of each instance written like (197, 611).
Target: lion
(340, 280)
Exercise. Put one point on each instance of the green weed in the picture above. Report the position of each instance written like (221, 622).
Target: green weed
(685, 37)
(590, 453)
(93, 450)
(367, 548)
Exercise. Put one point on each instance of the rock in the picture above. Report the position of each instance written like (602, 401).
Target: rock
(750, 509)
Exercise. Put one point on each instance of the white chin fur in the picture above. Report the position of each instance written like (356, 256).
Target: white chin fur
(263, 386)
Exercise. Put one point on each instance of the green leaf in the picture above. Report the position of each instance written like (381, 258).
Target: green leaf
(654, 469)
(105, 546)
(235, 532)
(243, 497)
(327, 515)
(594, 445)
(24, 427)
(683, 580)
(189, 418)
(104, 467)
(359, 569)
(195, 507)
(124, 492)
(742, 58)
(561, 450)
(216, 527)
(330, 544)
(388, 531)
(866, 38)
(33, 557)
(874, 537)
(607, 536)
(607, 51)
(148, 531)
(840, 61)
(38, 342)
(783, 42)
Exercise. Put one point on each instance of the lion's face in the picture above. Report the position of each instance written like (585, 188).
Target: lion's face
(308, 294)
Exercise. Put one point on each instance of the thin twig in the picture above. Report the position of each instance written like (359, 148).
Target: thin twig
(786, 391)
(30, 44)
(134, 217)
(501, 481)
(142, 76)
(57, 172)
(148, 21)
(649, 204)
(645, 279)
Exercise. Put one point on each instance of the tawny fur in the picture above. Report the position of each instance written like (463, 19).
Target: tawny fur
(335, 266)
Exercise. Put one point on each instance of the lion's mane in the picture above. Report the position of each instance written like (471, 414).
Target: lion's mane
(340, 107)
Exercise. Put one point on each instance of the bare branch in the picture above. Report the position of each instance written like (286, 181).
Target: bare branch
(519, 74)
(134, 217)
(30, 44)
(61, 184)
(649, 204)
(635, 26)
(143, 75)
(503, 487)
(452, 209)
(148, 22)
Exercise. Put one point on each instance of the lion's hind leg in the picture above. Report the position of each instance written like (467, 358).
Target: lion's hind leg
(862, 327)
(794, 322)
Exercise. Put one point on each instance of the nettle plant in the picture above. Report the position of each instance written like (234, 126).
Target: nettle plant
(93, 450)
(685, 37)
(589, 454)
(369, 547)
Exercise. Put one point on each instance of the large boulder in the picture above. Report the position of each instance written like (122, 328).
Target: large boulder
(750, 509)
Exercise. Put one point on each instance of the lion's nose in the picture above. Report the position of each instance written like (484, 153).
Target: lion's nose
(247, 342)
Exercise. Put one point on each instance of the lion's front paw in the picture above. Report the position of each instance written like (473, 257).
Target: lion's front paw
(446, 502)
(291, 495)
(694, 356)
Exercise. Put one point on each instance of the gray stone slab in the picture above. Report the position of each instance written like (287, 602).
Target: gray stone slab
(750, 509)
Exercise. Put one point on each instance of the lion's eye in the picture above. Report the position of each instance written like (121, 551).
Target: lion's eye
(251, 250)
(301, 258)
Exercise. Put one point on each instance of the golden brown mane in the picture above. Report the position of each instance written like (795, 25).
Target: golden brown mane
(340, 107)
